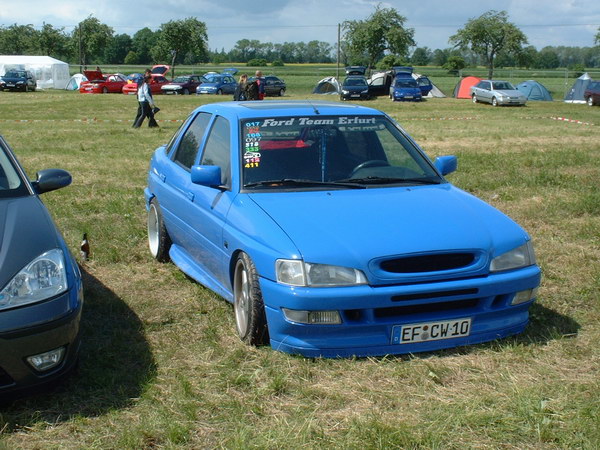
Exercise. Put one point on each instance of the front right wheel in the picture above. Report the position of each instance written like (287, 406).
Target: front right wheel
(250, 318)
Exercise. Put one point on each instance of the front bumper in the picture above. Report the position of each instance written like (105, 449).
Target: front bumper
(369, 314)
(407, 98)
(16, 344)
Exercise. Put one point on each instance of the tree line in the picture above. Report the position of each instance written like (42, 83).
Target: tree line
(380, 41)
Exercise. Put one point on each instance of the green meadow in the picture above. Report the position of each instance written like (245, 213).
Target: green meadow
(162, 367)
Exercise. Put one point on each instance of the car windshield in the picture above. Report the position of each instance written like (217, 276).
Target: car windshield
(15, 74)
(11, 183)
(502, 85)
(355, 82)
(328, 151)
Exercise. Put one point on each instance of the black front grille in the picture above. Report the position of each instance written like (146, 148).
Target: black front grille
(398, 311)
(5, 379)
(428, 263)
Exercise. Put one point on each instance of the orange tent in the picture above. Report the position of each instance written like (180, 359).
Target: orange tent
(463, 87)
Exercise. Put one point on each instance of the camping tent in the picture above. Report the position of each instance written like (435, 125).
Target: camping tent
(463, 87)
(49, 72)
(75, 81)
(329, 85)
(575, 95)
(534, 90)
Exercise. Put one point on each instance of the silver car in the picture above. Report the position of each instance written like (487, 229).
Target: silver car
(497, 93)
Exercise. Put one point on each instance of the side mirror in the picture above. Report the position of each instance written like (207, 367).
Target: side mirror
(51, 179)
(206, 175)
(446, 164)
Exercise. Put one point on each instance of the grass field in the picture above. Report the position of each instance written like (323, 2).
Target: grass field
(162, 367)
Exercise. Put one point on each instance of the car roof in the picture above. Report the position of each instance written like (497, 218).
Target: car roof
(283, 108)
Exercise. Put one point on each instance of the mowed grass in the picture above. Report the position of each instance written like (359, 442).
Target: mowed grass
(162, 367)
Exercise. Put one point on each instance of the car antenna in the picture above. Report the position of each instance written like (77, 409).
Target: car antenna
(314, 107)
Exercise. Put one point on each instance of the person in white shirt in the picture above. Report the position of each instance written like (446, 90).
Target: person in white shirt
(146, 104)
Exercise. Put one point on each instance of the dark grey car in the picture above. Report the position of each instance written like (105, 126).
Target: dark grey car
(41, 292)
(18, 80)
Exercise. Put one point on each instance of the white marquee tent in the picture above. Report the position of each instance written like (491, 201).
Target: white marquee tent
(49, 72)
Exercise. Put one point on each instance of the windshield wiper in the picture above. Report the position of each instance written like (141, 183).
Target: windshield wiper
(299, 182)
(388, 180)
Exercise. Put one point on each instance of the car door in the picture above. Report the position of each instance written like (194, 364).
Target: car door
(484, 92)
(229, 85)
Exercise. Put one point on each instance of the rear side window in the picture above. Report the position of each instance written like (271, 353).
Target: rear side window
(186, 152)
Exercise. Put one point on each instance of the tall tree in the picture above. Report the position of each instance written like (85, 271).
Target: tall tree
(117, 49)
(382, 32)
(178, 38)
(488, 35)
(421, 56)
(53, 41)
(18, 40)
(597, 38)
(89, 39)
(142, 42)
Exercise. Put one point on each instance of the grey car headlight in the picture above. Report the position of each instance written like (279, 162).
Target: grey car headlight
(42, 278)
(522, 256)
(298, 273)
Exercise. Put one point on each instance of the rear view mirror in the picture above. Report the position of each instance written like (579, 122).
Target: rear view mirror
(446, 164)
(206, 175)
(51, 179)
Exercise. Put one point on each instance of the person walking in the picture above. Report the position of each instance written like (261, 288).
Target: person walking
(145, 104)
(240, 90)
(260, 81)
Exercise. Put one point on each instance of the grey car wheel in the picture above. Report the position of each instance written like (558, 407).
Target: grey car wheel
(250, 319)
(590, 101)
(494, 101)
(474, 98)
(281, 92)
(158, 238)
(186, 92)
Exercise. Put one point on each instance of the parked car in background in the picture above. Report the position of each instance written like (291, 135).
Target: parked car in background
(592, 93)
(183, 84)
(99, 83)
(405, 89)
(333, 234)
(355, 87)
(498, 93)
(18, 80)
(217, 84)
(158, 81)
(274, 86)
(41, 293)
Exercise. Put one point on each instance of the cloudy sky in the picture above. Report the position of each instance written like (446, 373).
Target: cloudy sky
(552, 22)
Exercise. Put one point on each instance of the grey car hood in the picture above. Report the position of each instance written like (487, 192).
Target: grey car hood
(26, 231)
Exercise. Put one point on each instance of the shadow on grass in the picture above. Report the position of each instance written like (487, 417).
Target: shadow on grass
(114, 369)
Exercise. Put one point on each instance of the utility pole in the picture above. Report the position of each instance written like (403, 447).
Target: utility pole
(338, 52)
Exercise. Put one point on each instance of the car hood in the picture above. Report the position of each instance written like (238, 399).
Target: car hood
(511, 92)
(354, 227)
(94, 75)
(26, 231)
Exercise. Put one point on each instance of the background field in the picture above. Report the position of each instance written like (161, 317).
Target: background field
(161, 365)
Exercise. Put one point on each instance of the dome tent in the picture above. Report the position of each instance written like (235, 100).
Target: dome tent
(328, 85)
(75, 81)
(575, 95)
(49, 72)
(534, 90)
(463, 87)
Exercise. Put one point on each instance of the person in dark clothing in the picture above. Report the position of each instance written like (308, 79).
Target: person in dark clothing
(260, 81)
(240, 90)
(145, 104)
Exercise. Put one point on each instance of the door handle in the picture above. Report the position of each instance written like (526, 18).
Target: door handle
(190, 196)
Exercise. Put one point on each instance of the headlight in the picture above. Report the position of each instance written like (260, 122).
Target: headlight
(42, 278)
(522, 256)
(345, 91)
(298, 273)
(366, 91)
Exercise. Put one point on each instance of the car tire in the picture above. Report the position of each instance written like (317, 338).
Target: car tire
(281, 92)
(494, 101)
(250, 318)
(186, 92)
(590, 101)
(474, 98)
(158, 238)
(104, 90)
(26, 88)
(219, 92)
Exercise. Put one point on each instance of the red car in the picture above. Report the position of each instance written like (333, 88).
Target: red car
(99, 83)
(158, 80)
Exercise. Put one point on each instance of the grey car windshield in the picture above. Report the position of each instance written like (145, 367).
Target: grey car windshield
(503, 85)
(349, 150)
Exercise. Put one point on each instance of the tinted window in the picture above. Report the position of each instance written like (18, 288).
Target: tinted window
(11, 184)
(218, 149)
(191, 140)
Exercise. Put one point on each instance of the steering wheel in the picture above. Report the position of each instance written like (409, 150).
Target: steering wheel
(369, 163)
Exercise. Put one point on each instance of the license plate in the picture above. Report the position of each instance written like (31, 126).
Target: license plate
(408, 96)
(431, 331)
(355, 95)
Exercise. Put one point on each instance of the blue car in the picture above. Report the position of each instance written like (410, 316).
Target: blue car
(333, 234)
(41, 293)
(218, 84)
(405, 89)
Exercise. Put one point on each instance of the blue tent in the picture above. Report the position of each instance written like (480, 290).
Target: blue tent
(575, 95)
(534, 90)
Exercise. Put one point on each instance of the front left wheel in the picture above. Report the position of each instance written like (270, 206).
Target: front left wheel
(158, 238)
(250, 318)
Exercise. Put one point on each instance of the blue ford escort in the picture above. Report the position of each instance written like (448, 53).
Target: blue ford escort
(333, 234)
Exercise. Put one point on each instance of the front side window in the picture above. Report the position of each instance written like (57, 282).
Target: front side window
(186, 152)
(349, 150)
(218, 149)
(11, 183)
